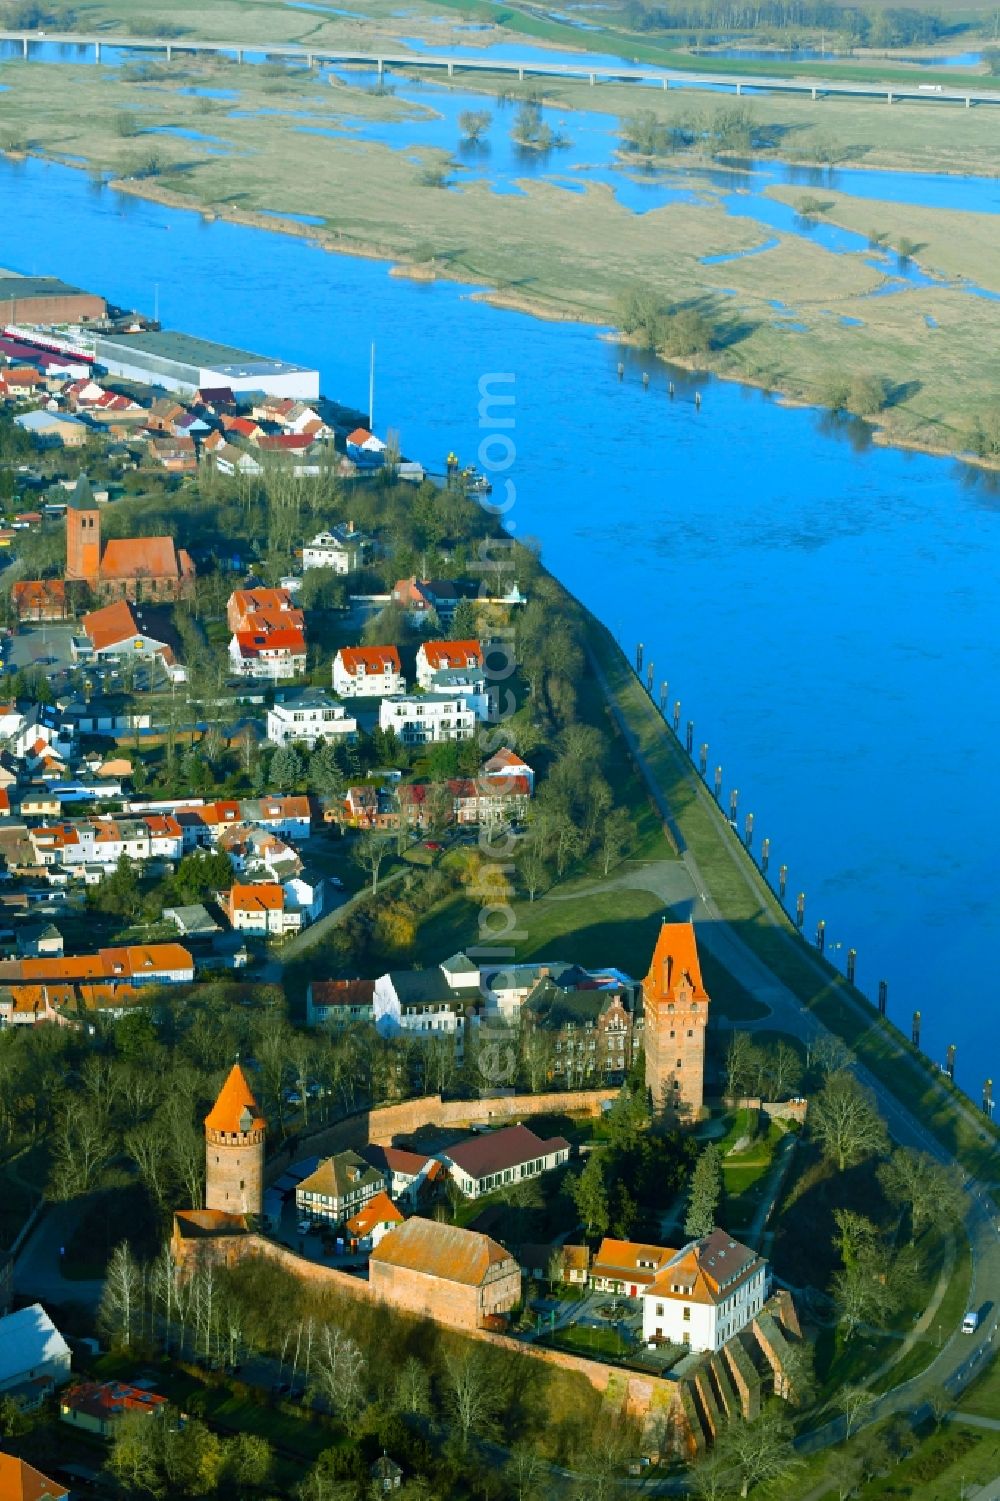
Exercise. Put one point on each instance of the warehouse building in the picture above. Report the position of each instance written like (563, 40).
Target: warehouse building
(45, 299)
(181, 362)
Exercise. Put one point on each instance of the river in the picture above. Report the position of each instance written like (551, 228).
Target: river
(824, 610)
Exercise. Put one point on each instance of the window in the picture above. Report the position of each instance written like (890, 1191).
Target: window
(687, 1314)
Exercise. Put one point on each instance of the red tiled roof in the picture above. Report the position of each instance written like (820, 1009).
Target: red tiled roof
(20, 1481)
(378, 1211)
(290, 641)
(370, 659)
(445, 654)
(140, 557)
(439, 1250)
(235, 1110)
(497, 1150)
(264, 896)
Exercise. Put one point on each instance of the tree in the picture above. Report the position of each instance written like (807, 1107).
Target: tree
(81, 1145)
(324, 775)
(121, 1301)
(591, 1195)
(338, 1371)
(855, 1402)
(532, 869)
(369, 852)
(618, 836)
(845, 1121)
(473, 1395)
(248, 1461)
(931, 1191)
(705, 1193)
(134, 1457)
(287, 768)
(714, 1476)
(413, 1388)
(784, 1070)
(741, 1064)
(830, 1054)
(760, 1452)
(473, 122)
(867, 394)
(526, 1472)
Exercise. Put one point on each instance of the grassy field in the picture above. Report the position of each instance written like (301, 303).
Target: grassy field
(983, 1397)
(567, 254)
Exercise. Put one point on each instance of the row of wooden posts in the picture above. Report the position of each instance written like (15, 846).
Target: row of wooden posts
(673, 719)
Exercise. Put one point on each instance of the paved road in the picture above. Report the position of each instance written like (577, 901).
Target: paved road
(527, 68)
(38, 1269)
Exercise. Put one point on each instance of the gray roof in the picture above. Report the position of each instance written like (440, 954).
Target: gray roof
(186, 349)
(459, 964)
(40, 422)
(421, 986)
(20, 287)
(556, 1006)
(28, 1339)
(193, 919)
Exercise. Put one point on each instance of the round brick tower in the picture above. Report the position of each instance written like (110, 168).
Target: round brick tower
(234, 1149)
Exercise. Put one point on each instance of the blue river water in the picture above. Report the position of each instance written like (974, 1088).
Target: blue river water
(825, 610)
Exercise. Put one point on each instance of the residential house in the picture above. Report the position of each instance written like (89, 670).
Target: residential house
(288, 814)
(42, 728)
(339, 1003)
(230, 460)
(507, 763)
(373, 1221)
(276, 654)
(54, 429)
(34, 1357)
(341, 549)
(488, 802)
(102, 841)
(495, 1159)
(455, 1277)
(136, 965)
(309, 717)
(428, 1002)
(468, 684)
(506, 988)
(705, 1293)
(259, 608)
(39, 599)
(20, 1481)
(367, 451)
(427, 721)
(261, 908)
(437, 656)
(39, 940)
(425, 600)
(367, 672)
(626, 1267)
(412, 1176)
(99, 1406)
(340, 1187)
(589, 1027)
(555, 1263)
(305, 892)
(372, 807)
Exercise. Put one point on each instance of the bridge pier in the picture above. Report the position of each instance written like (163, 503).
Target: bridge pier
(451, 70)
(24, 46)
(739, 90)
(380, 65)
(520, 75)
(889, 97)
(593, 79)
(968, 102)
(666, 83)
(170, 53)
(310, 60)
(97, 52)
(814, 95)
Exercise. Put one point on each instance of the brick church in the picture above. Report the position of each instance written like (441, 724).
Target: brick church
(139, 568)
(676, 1004)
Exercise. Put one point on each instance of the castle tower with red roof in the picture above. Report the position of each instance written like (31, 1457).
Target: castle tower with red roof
(676, 1004)
(234, 1149)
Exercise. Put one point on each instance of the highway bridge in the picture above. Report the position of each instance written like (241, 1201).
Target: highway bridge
(584, 71)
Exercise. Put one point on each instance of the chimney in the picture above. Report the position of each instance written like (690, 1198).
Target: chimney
(668, 969)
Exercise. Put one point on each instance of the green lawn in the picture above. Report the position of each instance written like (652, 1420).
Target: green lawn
(585, 1341)
(983, 1397)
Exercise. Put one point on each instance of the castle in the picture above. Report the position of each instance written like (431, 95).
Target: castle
(150, 568)
(234, 1168)
(676, 1004)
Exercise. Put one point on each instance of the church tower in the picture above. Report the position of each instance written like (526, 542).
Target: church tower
(83, 535)
(234, 1149)
(675, 1004)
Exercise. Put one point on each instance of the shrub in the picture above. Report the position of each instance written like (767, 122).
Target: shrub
(867, 395)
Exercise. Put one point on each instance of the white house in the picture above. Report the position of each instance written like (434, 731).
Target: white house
(367, 672)
(468, 684)
(439, 656)
(340, 1187)
(309, 716)
(267, 654)
(425, 721)
(409, 1174)
(428, 1002)
(341, 550)
(705, 1294)
(305, 891)
(507, 763)
(497, 1158)
(31, 1350)
(261, 908)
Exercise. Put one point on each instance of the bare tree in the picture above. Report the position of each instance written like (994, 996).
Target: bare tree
(413, 1388)
(618, 835)
(144, 1144)
(845, 1121)
(931, 1191)
(760, 1452)
(855, 1402)
(369, 852)
(470, 1388)
(81, 1145)
(338, 1371)
(121, 1302)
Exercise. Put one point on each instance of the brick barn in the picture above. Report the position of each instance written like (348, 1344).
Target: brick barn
(456, 1277)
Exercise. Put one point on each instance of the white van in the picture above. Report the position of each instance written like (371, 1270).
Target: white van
(971, 1321)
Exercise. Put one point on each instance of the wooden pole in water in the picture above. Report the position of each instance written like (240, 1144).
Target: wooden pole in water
(670, 389)
(821, 935)
(621, 370)
(748, 831)
(988, 1097)
(765, 855)
(689, 737)
(915, 1031)
(782, 881)
(718, 783)
(703, 759)
(697, 399)
(734, 798)
(638, 660)
(950, 1063)
(852, 959)
(645, 380)
(677, 715)
(883, 997)
(800, 909)
(649, 678)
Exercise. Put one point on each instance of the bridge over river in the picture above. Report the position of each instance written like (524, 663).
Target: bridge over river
(584, 71)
